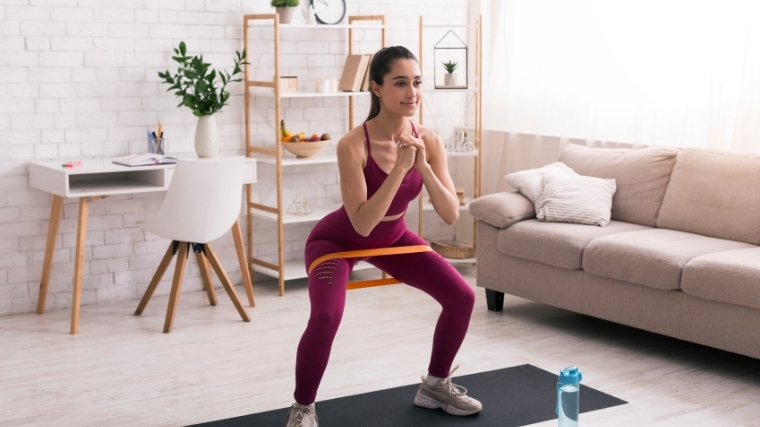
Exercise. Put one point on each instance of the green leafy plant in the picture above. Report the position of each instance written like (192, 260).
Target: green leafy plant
(196, 83)
(450, 66)
(284, 3)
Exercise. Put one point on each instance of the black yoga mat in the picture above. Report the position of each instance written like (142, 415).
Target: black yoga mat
(515, 396)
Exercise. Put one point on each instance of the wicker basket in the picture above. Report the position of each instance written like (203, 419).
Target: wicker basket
(453, 249)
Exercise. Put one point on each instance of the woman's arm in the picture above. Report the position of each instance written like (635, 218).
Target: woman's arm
(435, 174)
(366, 214)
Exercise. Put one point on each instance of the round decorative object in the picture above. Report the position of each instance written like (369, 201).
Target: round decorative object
(305, 149)
(329, 12)
(206, 144)
(286, 14)
(453, 249)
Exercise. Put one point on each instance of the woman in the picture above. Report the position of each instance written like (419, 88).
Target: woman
(372, 216)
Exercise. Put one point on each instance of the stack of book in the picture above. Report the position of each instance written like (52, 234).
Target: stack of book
(355, 77)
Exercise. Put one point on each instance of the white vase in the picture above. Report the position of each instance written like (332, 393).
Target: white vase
(206, 144)
(450, 79)
(286, 14)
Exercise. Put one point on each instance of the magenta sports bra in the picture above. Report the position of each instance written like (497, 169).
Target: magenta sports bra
(410, 187)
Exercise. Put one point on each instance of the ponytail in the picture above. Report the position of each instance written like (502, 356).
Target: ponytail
(374, 109)
(380, 67)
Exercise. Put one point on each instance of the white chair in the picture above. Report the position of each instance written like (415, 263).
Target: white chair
(202, 203)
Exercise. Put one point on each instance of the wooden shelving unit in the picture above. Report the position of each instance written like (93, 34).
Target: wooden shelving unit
(289, 270)
(475, 92)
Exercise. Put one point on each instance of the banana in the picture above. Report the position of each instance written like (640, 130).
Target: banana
(284, 132)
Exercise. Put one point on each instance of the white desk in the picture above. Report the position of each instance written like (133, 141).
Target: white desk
(96, 179)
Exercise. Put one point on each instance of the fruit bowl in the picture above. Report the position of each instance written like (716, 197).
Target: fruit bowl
(305, 149)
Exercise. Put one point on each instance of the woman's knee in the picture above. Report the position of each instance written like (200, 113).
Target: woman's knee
(325, 323)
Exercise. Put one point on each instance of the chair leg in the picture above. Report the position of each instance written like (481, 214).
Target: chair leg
(179, 271)
(205, 273)
(214, 261)
(157, 277)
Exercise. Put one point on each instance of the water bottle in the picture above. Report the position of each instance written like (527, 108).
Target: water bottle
(568, 396)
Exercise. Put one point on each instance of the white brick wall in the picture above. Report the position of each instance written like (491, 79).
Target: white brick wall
(78, 79)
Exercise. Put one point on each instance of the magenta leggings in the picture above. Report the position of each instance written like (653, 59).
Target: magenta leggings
(426, 271)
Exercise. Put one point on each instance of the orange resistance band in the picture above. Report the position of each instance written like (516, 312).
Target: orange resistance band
(366, 253)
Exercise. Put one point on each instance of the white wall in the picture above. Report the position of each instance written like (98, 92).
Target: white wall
(78, 80)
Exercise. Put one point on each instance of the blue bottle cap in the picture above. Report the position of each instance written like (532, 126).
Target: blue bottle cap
(570, 375)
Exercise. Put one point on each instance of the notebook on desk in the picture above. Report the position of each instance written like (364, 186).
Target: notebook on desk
(146, 159)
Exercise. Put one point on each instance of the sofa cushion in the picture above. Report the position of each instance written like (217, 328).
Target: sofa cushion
(576, 199)
(653, 257)
(641, 176)
(557, 244)
(730, 276)
(530, 182)
(714, 193)
(502, 209)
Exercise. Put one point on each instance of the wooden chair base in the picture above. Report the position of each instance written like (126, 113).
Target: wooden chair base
(205, 255)
(366, 253)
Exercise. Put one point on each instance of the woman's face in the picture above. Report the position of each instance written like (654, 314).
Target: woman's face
(401, 91)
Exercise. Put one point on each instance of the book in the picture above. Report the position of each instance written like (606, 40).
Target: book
(353, 73)
(146, 159)
(365, 81)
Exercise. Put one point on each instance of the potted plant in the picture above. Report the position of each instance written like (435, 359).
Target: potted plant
(285, 8)
(450, 79)
(196, 84)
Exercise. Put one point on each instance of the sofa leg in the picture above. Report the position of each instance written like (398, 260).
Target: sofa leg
(495, 300)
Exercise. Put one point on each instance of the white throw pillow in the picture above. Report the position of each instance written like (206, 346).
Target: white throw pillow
(529, 182)
(578, 199)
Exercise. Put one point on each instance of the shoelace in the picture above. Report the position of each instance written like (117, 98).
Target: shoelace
(456, 389)
(300, 413)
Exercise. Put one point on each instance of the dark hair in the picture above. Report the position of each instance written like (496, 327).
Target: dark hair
(380, 66)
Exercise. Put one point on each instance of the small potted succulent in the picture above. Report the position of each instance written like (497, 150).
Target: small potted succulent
(196, 84)
(450, 78)
(286, 9)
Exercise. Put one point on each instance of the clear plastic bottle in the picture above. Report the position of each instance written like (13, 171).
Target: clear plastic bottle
(568, 396)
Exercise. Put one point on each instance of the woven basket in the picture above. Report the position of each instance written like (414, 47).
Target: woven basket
(453, 249)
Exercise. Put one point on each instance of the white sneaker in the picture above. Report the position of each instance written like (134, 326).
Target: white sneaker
(302, 416)
(448, 396)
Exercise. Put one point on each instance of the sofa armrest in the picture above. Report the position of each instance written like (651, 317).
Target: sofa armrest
(502, 209)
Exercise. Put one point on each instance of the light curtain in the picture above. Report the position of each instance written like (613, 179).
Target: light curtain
(667, 72)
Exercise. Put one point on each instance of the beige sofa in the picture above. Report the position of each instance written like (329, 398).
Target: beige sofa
(680, 256)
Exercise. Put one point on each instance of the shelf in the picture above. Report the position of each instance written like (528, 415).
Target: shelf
(473, 153)
(448, 26)
(289, 160)
(454, 89)
(270, 93)
(461, 261)
(427, 206)
(287, 218)
(296, 270)
(323, 26)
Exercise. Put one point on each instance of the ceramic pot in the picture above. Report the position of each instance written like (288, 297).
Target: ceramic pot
(450, 79)
(206, 143)
(286, 14)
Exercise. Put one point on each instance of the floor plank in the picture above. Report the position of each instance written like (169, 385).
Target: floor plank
(121, 370)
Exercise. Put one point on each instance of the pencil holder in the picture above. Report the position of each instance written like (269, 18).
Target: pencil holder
(157, 146)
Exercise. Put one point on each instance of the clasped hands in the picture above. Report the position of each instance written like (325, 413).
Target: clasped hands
(411, 152)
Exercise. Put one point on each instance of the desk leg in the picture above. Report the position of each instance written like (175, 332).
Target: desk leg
(47, 265)
(79, 263)
(238, 237)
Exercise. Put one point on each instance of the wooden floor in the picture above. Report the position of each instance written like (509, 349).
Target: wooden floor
(122, 371)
